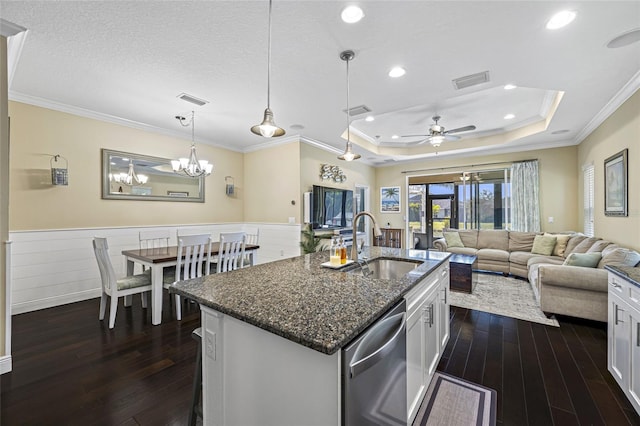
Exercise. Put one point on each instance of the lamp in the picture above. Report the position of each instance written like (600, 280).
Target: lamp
(191, 166)
(129, 177)
(348, 154)
(268, 127)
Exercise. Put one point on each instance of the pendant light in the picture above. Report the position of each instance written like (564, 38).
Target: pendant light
(348, 154)
(191, 166)
(268, 127)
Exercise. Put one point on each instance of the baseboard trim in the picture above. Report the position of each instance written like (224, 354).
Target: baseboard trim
(5, 364)
(50, 302)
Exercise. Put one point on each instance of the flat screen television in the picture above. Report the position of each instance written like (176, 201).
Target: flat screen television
(331, 208)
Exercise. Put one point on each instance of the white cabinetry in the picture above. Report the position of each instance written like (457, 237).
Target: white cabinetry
(624, 336)
(427, 334)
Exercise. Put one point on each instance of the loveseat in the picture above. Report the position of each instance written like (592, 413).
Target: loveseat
(566, 270)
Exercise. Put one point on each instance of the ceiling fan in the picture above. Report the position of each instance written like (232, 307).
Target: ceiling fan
(437, 133)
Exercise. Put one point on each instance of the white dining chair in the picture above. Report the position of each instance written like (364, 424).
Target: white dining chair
(231, 252)
(193, 261)
(154, 239)
(116, 287)
(252, 237)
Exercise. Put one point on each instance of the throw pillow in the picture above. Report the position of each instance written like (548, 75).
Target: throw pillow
(573, 243)
(561, 243)
(543, 244)
(620, 257)
(453, 239)
(599, 245)
(585, 245)
(587, 260)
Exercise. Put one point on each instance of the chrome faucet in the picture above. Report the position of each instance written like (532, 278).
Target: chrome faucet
(376, 232)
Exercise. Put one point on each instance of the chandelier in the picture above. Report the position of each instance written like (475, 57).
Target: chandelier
(191, 166)
(130, 177)
(348, 154)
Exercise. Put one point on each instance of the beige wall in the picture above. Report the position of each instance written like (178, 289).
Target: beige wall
(38, 133)
(558, 183)
(272, 182)
(4, 186)
(621, 130)
(311, 158)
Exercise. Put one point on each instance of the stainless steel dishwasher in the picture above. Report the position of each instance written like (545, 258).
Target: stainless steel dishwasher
(374, 373)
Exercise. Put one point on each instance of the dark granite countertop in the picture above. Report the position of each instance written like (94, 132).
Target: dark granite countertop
(302, 301)
(630, 273)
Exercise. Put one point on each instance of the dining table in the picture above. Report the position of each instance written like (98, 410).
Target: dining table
(162, 257)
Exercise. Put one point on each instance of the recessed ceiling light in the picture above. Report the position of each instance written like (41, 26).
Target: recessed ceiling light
(369, 118)
(395, 137)
(509, 116)
(397, 72)
(625, 39)
(561, 19)
(510, 86)
(351, 14)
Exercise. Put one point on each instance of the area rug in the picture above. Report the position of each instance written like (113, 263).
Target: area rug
(453, 401)
(508, 296)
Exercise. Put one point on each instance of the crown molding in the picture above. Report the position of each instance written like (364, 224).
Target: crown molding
(271, 143)
(8, 29)
(86, 113)
(616, 101)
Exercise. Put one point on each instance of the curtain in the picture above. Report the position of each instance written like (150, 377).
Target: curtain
(525, 205)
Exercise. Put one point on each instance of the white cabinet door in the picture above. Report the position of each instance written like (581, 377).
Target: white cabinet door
(431, 338)
(443, 315)
(634, 374)
(618, 336)
(415, 363)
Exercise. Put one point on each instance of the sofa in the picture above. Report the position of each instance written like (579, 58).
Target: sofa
(566, 270)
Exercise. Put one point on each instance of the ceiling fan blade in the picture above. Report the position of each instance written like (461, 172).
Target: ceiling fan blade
(461, 129)
(451, 137)
(414, 136)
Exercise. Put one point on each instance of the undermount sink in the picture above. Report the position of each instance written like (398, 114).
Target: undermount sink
(387, 269)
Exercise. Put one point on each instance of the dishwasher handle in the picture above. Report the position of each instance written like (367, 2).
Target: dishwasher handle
(357, 366)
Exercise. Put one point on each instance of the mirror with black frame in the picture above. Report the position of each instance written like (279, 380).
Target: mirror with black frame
(128, 176)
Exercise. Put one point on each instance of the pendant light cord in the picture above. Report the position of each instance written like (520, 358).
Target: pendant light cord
(269, 61)
(348, 114)
(193, 128)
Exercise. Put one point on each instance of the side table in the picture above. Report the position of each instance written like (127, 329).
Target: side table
(461, 267)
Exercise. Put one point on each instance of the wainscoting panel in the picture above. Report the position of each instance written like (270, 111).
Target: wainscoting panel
(51, 268)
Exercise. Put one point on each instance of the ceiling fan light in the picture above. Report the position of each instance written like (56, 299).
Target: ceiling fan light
(436, 141)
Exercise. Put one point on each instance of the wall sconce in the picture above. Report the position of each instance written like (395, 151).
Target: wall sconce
(59, 175)
(229, 187)
(327, 171)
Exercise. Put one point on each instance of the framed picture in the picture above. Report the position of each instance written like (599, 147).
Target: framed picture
(178, 193)
(390, 199)
(615, 184)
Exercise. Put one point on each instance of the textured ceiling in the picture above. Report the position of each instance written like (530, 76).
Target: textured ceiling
(127, 61)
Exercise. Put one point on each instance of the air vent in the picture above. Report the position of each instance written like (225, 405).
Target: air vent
(358, 110)
(192, 99)
(470, 80)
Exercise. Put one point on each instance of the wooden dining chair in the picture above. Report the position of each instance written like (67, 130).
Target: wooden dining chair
(116, 287)
(193, 261)
(231, 253)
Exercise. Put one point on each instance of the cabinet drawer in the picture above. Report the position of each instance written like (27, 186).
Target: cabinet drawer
(617, 285)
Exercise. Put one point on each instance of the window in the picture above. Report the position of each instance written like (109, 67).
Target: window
(588, 178)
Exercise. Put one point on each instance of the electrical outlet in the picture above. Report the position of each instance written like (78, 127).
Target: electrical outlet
(550, 219)
(210, 344)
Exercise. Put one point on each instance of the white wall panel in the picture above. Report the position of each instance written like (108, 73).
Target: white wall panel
(51, 268)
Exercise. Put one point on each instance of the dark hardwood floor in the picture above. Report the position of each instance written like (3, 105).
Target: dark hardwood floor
(543, 375)
(70, 369)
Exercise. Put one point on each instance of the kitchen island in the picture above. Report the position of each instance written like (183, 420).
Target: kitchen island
(272, 334)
